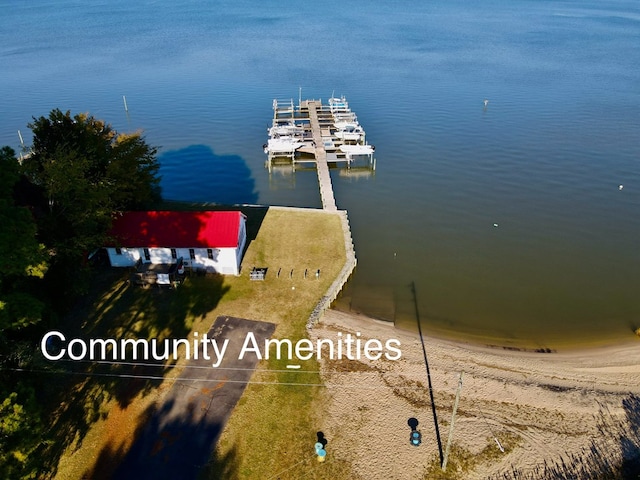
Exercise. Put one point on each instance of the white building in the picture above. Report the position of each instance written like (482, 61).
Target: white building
(209, 240)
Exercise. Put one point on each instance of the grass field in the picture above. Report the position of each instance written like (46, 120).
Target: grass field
(273, 428)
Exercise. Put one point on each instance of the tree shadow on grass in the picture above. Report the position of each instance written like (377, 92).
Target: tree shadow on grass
(174, 437)
(167, 449)
(103, 467)
(224, 465)
(74, 394)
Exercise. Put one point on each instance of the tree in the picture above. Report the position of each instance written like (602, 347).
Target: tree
(21, 255)
(20, 432)
(133, 173)
(55, 207)
(85, 172)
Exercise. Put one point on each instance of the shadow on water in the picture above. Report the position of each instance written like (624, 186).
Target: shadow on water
(426, 362)
(196, 173)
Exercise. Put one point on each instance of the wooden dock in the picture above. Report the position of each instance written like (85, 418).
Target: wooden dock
(322, 167)
(313, 133)
(319, 134)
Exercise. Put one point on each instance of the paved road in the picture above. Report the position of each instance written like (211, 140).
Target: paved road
(180, 435)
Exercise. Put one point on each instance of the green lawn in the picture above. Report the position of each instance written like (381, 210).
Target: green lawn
(273, 428)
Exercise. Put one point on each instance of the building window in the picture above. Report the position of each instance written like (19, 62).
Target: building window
(118, 251)
(174, 254)
(210, 253)
(147, 255)
(192, 254)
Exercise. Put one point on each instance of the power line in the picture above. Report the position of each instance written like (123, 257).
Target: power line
(109, 362)
(183, 379)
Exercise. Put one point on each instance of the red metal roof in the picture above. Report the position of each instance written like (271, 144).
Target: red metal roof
(207, 229)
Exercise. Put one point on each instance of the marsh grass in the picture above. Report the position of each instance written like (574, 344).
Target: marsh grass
(462, 461)
(459, 463)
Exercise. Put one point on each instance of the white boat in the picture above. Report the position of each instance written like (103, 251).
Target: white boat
(338, 104)
(348, 126)
(344, 118)
(282, 146)
(349, 131)
(345, 121)
(349, 136)
(286, 130)
(352, 150)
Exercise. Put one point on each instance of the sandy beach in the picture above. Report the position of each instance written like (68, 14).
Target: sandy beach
(540, 408)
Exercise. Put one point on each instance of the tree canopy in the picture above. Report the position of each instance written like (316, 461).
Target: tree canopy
(21, 255)
(86, 171)
(21, 258)
(56, 206)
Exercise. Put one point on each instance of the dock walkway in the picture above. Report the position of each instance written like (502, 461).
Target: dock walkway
(322, 167)
(314, 133)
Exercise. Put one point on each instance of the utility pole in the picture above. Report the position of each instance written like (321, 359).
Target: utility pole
(453, 419)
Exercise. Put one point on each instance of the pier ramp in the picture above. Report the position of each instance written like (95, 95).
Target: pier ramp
(322, 167)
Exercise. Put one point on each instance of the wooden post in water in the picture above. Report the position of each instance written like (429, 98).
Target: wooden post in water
(453, 419)
(21, 147)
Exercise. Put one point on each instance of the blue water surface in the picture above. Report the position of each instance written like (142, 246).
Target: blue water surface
(544, 160)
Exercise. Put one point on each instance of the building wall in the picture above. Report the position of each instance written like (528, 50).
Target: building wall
(242, 241)
(126, 258)
(225, 260)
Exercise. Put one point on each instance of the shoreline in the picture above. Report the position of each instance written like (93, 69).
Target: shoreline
(557, 345)
(603, 351)
(542, 408)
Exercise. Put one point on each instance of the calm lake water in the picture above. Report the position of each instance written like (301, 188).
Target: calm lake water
(544, 161)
